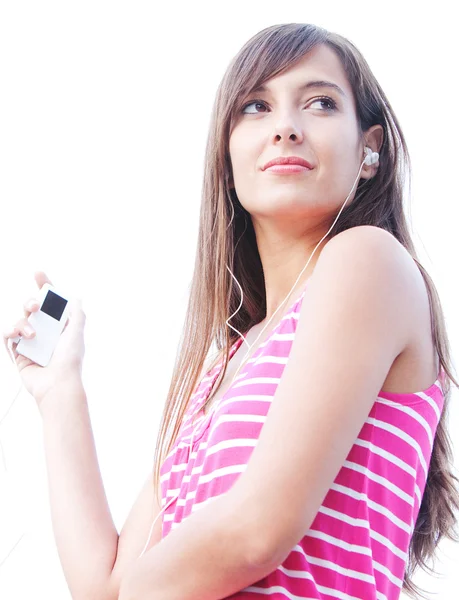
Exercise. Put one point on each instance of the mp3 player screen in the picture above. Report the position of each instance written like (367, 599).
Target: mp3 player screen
(54, 305)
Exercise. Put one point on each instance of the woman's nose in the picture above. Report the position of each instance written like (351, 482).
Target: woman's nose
(287, 129)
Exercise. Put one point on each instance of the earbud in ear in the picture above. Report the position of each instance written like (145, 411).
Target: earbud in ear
(371, 157)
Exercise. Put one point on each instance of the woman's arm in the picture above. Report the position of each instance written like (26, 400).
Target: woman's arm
(209, 556)
(85, 534)
(354, 322)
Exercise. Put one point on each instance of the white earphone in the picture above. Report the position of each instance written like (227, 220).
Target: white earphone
(370, 159)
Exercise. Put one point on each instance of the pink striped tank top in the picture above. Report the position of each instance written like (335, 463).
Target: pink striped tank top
(356, 547)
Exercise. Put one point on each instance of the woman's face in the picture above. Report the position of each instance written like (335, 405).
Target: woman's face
(317, 124)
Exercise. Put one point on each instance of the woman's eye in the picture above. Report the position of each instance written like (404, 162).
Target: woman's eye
(331, 104)
(257, 102)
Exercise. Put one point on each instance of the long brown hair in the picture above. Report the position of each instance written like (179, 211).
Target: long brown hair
(226, 237)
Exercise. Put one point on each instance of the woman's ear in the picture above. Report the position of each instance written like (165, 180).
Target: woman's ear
(374, 137)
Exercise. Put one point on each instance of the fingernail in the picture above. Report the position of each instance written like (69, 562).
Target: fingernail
(28, 330)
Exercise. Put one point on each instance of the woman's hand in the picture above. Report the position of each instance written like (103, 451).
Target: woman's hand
(67, 360)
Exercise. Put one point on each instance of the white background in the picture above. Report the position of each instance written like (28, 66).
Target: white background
(104, 112)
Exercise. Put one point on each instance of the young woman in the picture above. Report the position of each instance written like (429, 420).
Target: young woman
(310, 457)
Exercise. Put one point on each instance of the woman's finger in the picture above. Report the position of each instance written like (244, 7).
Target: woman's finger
(30, 306)
(11, 343)
(41, 278)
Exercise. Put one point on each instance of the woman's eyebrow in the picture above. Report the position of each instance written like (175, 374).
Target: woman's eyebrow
(308, 85)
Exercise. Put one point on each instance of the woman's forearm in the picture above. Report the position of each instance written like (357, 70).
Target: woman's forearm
(210, 555)
(85, 534)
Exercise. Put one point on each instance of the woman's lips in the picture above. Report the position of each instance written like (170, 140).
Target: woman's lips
(287, 169)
